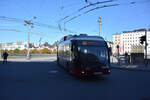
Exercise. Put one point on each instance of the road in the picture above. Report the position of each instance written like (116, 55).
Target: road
(46, 81)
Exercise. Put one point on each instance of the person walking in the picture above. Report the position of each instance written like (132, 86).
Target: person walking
(5, 55)
(126, 58)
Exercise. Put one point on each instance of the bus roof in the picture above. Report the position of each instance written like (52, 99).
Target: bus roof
(81, 37)
(87, 38)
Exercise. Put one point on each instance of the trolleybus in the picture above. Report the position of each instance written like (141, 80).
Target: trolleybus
(83, 55)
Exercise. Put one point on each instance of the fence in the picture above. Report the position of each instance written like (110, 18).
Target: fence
(15, 55)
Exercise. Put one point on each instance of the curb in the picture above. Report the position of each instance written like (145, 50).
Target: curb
(130, 69)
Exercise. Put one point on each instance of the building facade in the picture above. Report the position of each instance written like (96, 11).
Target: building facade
(110, 44)
(129, 41)
(16, 45)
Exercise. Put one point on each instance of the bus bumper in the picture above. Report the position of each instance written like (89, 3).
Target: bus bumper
(82, 72)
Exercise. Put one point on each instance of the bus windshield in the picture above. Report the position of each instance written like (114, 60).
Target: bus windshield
(93, 53)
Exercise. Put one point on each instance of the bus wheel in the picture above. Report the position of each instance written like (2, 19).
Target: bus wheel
(67, 67)
(58, 62)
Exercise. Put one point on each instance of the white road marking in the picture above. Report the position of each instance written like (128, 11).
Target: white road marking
(52, 71)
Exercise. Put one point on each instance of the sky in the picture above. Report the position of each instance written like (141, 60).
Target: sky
(126, 16)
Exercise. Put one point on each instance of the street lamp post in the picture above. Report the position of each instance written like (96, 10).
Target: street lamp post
(99, 20)
(28, 53)
(28, 23)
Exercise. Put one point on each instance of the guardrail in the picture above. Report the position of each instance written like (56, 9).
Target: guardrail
(32, 55)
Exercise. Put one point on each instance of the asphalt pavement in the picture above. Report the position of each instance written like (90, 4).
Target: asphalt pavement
(44, 80)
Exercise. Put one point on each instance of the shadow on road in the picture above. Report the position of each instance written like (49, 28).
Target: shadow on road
(92, 79)
(53, 71)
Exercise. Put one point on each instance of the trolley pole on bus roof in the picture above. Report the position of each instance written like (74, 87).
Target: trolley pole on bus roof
(99, 20)
(28, 23)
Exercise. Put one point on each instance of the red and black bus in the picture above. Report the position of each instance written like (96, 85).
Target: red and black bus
(83, 55)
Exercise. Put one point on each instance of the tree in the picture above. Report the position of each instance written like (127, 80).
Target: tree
(16, 51)
(55, 43)
(46, 44)
(45, 51)
(54, 51)
(23, 51)
(6, 50)
(11, 51)
(34, 51)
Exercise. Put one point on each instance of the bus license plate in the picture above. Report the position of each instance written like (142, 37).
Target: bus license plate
(98, 73)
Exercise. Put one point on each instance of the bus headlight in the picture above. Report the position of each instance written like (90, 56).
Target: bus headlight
(82, 72)
(85, 51)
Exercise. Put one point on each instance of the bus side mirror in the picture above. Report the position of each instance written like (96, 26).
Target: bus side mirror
(71, 47)
(110, 50)
(65, 38)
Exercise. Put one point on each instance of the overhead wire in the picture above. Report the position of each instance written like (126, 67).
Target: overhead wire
(80, 9)
(101, 7)
(11, 19)
(90, 11)
(93, 4)
(14, 30)
(35, 23)
(104, 6)
(22, 21)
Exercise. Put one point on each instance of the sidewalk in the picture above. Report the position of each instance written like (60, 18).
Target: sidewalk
(135, 67)
(47, 59)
